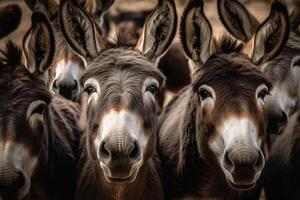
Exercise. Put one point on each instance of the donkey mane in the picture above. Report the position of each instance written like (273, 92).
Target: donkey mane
(228, 44)
(123, 39)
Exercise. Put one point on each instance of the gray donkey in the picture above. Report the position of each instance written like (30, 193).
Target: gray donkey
(118, 158)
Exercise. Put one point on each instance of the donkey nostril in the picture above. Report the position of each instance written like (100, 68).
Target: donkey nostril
(135, 152)
(260, 161)
(228, 164)
(104, 152)
(54, 85)
(75, 86)
(283, 118)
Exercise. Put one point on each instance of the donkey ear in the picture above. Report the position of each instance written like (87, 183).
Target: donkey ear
(272, 35)
(46, 6)
(79, 29)
(295, 19)
(96, 8)
(196, 33)
(159, 30)
(39, 44)
(237, 20)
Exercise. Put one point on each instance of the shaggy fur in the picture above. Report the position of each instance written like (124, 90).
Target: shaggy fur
(57, 146)
(190, 168)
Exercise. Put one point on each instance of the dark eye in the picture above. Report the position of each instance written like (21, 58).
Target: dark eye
(89, 89)
(204, 94)
(152, 88)
(263, 93)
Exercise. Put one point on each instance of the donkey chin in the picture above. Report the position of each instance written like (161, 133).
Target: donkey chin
(241, 159)
(120, 174)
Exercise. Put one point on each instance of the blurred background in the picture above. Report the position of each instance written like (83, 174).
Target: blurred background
(259, 8)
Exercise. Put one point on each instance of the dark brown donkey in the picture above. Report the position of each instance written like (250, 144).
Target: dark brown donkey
(118, 159)
(285, 98)
(10, 17)
(39, 135)
(210, 135)
(67, 67)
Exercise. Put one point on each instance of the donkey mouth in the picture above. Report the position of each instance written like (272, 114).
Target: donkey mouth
(128, 179)
(243, 186)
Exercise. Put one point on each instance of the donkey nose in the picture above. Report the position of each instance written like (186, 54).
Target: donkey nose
(282, 119)
(243, 166)
(67, 89)
(122, 152)
(11, 180)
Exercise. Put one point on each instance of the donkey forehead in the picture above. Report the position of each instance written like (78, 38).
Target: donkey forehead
(234, 74)
(121, 63)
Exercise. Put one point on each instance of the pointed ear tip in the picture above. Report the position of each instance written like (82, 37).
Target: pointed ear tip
(279, 6)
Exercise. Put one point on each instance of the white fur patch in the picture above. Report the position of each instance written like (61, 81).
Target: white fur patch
(235, 132)
(119, 123)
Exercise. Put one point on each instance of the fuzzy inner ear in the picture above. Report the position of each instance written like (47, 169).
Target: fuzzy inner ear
(295, 19)
(196, 33)
(79, 29)
(46, 6)
(272, 34)
(237, 20)
(159, 30)
(39, 44)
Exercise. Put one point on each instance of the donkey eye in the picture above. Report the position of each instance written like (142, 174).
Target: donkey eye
(152, 88)
(89, 89)
(204, 94)
(263, 93)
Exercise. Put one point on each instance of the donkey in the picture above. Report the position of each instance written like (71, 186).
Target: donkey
(10, 17)
(171, 64)
(67, 67)
(118, 154)
(281, 176)
(285, 97)
(39, 134)
(211, 133)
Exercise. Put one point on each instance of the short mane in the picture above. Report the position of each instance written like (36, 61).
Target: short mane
(228, 44)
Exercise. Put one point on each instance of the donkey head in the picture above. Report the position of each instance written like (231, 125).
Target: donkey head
(230, 92)
(67, 67)
(24, 98)
(121, 83)
(281, 103)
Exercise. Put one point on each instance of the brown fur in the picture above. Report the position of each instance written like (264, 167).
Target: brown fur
(183, 128)
(56, 147)
(120, 64)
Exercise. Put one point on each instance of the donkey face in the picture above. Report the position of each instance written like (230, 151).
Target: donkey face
(231, 91)
(67, 67)
(285, 94)
(121, 84)
(283, 99)
(22, 104)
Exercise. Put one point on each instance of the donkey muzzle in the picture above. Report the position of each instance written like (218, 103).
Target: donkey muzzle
(119, 156)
